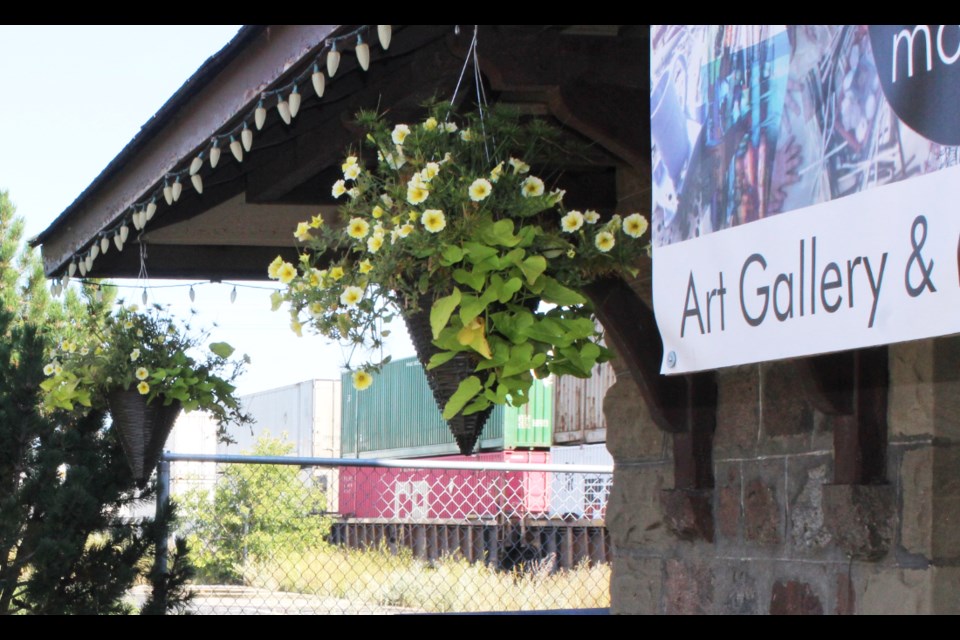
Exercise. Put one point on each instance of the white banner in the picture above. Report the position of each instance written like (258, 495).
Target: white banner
(796, 208)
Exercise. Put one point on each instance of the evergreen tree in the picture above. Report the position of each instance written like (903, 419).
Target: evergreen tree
(63, 479)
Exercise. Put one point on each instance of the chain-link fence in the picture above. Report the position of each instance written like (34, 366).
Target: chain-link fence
(310, 535)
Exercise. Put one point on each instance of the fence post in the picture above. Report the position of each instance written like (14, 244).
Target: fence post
(162, 520)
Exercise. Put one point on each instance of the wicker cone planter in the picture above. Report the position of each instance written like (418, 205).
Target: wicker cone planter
(445, 379)
(143, 429)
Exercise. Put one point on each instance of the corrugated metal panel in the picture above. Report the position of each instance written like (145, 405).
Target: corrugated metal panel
(531, 425)
(398, 417)
(306, 414)
(578, 406)
(429, 494)
(580, 495)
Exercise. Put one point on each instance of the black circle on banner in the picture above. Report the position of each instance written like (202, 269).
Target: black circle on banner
(919, 68)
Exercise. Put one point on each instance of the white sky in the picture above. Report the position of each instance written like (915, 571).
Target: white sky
(72, 99)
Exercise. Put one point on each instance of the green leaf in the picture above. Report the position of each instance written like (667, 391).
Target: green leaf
(222, 349)
(556, 293)
(520, 357)
(472, 279)
(441, 311)
(451, 254)
(472, 307)
(465, 392)
(439, 359)
(477, 252)
(532, 267)
(476, 406)
(509, 288)
(501, 233)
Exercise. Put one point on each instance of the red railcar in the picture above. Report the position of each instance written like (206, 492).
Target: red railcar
(441, 494)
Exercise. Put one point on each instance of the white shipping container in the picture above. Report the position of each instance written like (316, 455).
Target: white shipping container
(576, 496)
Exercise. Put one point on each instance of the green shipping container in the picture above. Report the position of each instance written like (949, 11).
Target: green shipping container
(398, 417)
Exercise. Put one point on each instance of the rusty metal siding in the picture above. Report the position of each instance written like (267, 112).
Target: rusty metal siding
(578, 407)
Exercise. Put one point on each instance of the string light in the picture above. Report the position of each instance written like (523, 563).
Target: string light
(193, 294)
(294, 101)
(289, 100)
(214, 154)
(333, 59)
(384, 32)
(236, 149)
(319, 81)
(363, 53)
(95, 250)
(260, 115)
(283, 108)
(233, 294)
(246, 137)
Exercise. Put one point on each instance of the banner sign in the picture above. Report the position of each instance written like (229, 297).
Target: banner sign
(806, 189)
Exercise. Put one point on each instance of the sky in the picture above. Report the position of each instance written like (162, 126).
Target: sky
(74, 96)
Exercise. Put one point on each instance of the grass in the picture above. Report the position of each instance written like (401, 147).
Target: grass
(377, 577)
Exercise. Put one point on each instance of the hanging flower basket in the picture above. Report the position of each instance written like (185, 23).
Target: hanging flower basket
(449, 224)
(445, 380)
(143, 428)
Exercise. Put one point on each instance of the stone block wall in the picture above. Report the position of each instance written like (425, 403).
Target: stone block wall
(785, 538)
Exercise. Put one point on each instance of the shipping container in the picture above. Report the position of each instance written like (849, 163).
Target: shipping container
(306, 414)
(443, 494)
(397, 417)
(576, 496)
(578, 407)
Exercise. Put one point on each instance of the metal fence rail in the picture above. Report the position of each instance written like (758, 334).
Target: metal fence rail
(277, 534)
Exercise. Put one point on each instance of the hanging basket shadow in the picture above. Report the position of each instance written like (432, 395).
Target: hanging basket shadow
(143, 429)
(445, 379)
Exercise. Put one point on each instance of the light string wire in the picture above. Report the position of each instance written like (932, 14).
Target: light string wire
(172, 177)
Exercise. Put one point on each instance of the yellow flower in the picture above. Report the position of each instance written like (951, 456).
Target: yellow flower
(49, 369)
(365, 266)
(84, 351)
(571, 253)
(134, 355)
(571, 222)
(374, 243)
(450, 127)
(316, 221)
(296, 327)
(143, 388)
(351, 296)
(274, 269)
(604, 241)
(386, 200)
(405, 230)
(591, 216)
(142, 373)
(497, 171)
(58, 368)
(339, 188)
(350, 161)
(416, 193)
(362, 380)
(400, 133)
(615, 223)
(287, 273)
(396, 162)
(303, 232)
(430, 170)
(634, 225)
(430, 124)
(433, 220)
(531, 187)
(358, 228)
(412, 216)
(466, 135)
(352, 172)
(480, 189)
(314, 279)
(397, 219)
(377, 212)
(316, 309)
(127, 324)
(519, 166)
(336, 273)
(353, 193)
(556, 196)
